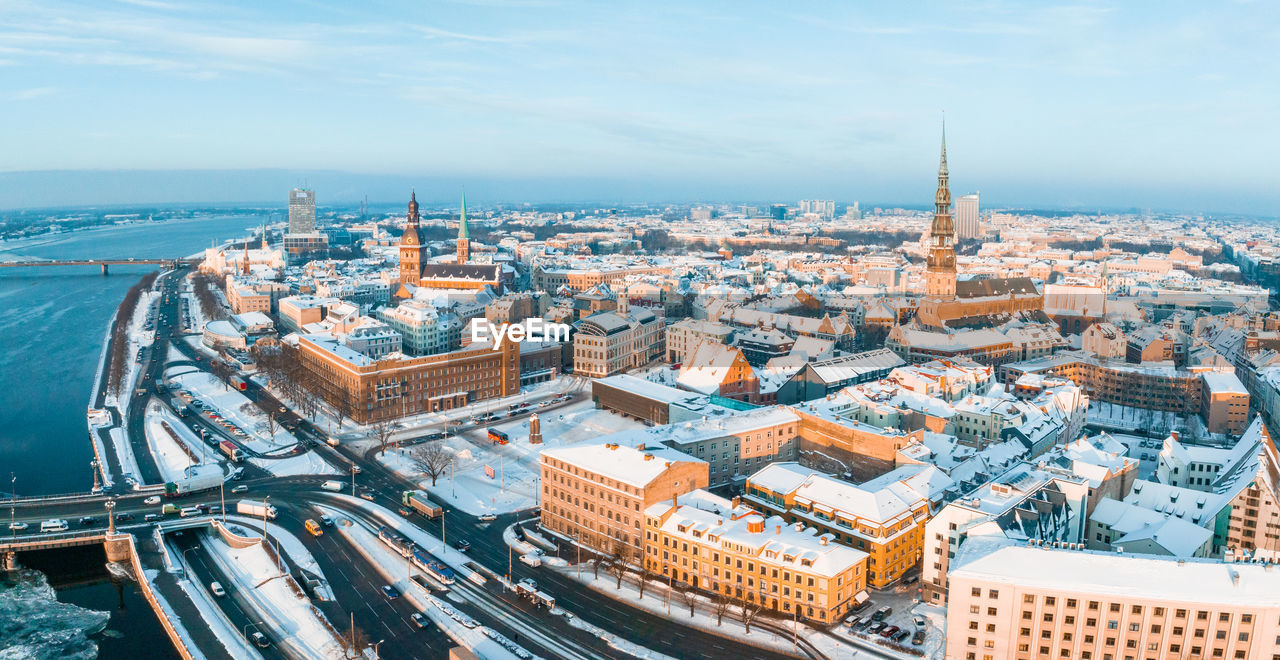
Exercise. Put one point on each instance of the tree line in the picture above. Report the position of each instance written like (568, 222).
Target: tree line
(120, 331)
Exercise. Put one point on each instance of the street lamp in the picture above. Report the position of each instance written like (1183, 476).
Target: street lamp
(13, 501)
(375, 648)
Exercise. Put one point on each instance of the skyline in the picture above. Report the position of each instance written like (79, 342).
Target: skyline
(1068, 106)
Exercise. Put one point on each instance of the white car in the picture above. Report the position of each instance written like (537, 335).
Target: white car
(488, 517)
(17, 526)
(154, 499)
(216, 589)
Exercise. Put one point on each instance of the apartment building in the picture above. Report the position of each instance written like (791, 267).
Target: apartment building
(885, 520)
(609, 343)
(298, 311)
(684, 335)
(1224, 403)
(751, 558)
(1024, 503)
(598, 493)
(1017, 601)
(426, 329)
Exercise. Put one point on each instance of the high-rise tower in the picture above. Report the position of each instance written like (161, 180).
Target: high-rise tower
(411, 246)
(940, 275)
(464, 238)
(302, 211)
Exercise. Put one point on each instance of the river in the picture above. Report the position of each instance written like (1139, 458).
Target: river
(53, 323)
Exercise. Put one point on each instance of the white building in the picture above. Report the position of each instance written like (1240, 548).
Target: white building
(967, 217)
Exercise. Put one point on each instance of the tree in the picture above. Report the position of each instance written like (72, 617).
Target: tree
(689, 594)
(618, 561)
(749, 612)
(355, 641)
(722, 606)
(221, 371)
(381, 431)
(644, 576)
(433, 459)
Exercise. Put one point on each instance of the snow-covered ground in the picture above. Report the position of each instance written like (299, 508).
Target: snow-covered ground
(285, 611)
(514, 485)
(286, 542)
(230, 638)
(124, 452)
(234, 407)
(308, 463)
(170, 456)
(138, 337)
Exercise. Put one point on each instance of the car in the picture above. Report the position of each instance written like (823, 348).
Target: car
(877, 627)
(188, 511)
(88, 521)
(204, 508)
(419, 620)
(390, 592)
(216, 589)
(154, 499)
(326, 521)
(17, 526)
(405, 512)
(530, 584)
(918, 638)
(901, 636)
(366, 495)
(151, 517)
(355, 468)
(882, 613)
(283, 409)
(488, 517)
(240, 489)
(462, 546)
(919, 621)
(260, 640)
(911, 579)
(124, 517)
(890, 631)
(214, 509)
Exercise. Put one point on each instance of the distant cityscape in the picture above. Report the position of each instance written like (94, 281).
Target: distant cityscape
(795, 429)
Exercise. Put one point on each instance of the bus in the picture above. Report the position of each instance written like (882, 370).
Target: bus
(498, 437)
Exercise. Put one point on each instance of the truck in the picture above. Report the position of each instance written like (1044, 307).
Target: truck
(419, 502)
(238, 383)
(232, 450)
(193, 484)
(179, 406)
(256, 509)
(169, 509)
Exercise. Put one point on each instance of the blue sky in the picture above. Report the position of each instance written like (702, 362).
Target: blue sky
(1165, 105)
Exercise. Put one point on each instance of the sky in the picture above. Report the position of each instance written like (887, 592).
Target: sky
(1169, 105)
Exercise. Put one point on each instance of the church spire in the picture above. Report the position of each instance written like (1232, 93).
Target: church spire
(462, 223)
(464, 238)
(413, 207)
(940, 276)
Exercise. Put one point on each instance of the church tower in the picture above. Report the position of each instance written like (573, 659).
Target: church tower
(940, 275)
(411, 246)
(464, 239)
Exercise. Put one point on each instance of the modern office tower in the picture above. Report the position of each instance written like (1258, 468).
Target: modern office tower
(302, 211)
(825, 208)
(967, 217)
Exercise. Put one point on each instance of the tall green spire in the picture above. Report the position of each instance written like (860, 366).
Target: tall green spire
(462, 224)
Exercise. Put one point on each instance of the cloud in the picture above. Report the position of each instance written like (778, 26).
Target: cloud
(32, 93)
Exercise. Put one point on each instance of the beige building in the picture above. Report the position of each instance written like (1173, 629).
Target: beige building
(1104, 340)
(609, 343)
(598, 493)
(684, 336)
(748, 557)
(1015, 602)
(1224, 403)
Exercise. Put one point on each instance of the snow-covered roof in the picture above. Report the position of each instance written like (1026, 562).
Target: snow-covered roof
(634, 466)
(1128, 576)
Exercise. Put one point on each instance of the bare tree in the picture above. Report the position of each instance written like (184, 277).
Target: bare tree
(689, 594)
(749, 612)
(722, 604)
(433, 459)
(643, 577)
(355, 641)
(618, 560)
(381, 431)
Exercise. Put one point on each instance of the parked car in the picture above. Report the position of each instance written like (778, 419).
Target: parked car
(919, 621)
(901, 636)
(877, 627)
(918, 638)
(890, 631)
(390, 592)
(882, 613)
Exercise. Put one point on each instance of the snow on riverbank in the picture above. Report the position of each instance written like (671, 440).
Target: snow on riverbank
(276, 597)
(124, 453)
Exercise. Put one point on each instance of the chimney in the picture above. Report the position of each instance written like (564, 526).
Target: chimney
(822, 539)
(779, 530)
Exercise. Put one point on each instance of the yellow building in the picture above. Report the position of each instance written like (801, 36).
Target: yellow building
(708, 543)
(885, 520)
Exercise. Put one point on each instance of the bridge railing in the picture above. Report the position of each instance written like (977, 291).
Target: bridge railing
(52, 499)
(36, 538)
